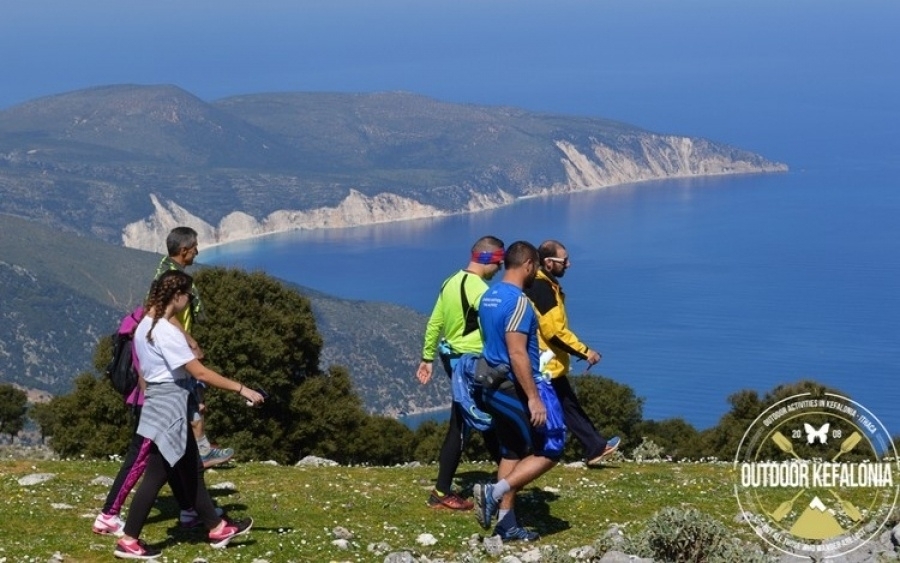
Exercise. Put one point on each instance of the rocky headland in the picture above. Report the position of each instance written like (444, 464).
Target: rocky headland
(658, 158)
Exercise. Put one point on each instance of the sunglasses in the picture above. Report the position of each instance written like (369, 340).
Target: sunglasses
(559, 260)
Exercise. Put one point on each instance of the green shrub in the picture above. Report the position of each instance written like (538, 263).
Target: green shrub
(647, 450)
(677, 535)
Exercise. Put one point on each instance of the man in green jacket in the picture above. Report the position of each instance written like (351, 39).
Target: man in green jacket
(455, 316)
(181, 245)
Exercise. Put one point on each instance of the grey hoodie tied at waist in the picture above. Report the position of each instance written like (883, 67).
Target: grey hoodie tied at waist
(164, 418)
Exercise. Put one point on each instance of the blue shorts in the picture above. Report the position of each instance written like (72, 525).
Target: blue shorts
(508, 406)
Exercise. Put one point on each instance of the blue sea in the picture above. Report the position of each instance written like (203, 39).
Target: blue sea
(691, 289)
(695, 289)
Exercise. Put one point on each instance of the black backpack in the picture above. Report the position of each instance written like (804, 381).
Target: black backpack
(122, 368)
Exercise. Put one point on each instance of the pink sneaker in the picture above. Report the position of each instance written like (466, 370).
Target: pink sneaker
(112, 525)
(135, 550)
(228, 531)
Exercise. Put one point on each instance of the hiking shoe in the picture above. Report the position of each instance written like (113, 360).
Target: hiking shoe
(611, 446)
(135, 550)
(190, 519)
(216, 456)
(229, 530)
(485, 505)
(112, 525)
(450, 501)
(516, 533)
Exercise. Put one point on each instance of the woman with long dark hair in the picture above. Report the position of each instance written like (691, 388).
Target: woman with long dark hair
(168, 364)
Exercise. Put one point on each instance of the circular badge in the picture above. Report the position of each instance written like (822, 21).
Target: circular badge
(815, 475)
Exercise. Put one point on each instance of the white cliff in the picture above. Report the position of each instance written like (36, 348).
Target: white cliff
(355, 210)
(660, 157)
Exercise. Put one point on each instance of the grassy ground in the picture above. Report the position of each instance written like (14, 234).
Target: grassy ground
(295, 509)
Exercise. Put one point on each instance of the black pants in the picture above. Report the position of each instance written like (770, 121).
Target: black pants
(131, 471)
(454, 442)
(577, 421)
(188, 471)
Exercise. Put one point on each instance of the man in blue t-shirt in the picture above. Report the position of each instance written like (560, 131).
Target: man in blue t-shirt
(527, 416)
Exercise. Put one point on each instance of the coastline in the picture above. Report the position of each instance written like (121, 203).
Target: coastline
(237, 237)
(415, 412)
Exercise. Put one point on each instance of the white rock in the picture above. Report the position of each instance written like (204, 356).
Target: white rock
(493, 545)
(583, 553)
(379, 548)
(426, 539)
(35, 479)
(342, 533)
(341, 544)
(315, 461)
(224, 486)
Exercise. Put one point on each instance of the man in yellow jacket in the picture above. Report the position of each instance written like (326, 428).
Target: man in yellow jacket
(550, 303)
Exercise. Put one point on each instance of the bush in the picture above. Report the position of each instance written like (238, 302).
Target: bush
(678, 535)
(13, 406)
(613, 407)
(647, 450)
(91, 420)
(675, 437)
(427, 440)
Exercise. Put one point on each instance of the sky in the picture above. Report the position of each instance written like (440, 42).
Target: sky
(685, 67)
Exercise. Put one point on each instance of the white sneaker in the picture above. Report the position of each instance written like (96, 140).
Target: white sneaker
(112, 525)
(216, 456)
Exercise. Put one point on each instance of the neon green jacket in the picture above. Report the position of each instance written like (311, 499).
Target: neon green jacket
(451, 317)
(191, 313)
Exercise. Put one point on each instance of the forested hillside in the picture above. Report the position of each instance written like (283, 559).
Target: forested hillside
(60, 293)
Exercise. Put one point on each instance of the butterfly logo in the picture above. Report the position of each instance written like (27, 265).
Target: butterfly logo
(812, 433)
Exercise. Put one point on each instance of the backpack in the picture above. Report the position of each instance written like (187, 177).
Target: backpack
(462, 384)
(122, 370)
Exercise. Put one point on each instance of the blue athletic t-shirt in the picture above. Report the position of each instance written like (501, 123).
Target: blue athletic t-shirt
(505, 308)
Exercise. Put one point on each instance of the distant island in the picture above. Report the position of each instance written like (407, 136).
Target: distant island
(125, 163)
